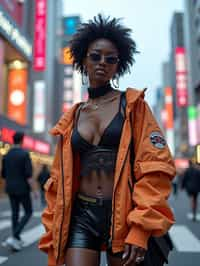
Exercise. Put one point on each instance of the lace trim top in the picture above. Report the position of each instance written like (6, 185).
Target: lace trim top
(100, 157)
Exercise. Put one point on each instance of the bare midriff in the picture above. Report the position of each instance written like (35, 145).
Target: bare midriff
(97, 185)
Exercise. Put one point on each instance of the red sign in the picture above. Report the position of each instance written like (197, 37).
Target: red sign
(17, 92)
(42, 147)
(29, 143)
(169, 108)
(14, 9)
(181, 77)
(39, 54)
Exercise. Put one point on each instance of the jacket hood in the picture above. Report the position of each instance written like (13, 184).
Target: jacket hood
(62, 126)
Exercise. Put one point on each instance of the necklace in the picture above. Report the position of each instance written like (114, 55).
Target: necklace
(94, 106)
(95, 93)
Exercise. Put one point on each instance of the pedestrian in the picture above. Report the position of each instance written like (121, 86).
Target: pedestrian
(42, 179)
(94, 200)
(17, 172)
(175, 186)
(191, 183)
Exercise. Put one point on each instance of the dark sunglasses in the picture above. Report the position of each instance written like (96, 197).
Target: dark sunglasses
(109, 59)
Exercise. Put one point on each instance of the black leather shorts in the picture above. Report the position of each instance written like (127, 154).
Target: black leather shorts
(90, 224)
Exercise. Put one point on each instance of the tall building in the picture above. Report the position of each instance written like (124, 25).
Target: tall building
(176, 78)
(69, 79)
(46, 27)
(15, 59)
(192, 41)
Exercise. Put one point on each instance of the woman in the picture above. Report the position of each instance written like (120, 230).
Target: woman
(91, 201)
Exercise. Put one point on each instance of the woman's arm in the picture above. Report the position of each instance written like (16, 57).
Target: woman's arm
(153, 169)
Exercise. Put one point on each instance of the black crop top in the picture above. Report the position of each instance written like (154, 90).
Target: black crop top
(99, 157)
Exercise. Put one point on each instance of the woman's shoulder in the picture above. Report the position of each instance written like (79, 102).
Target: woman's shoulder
(64, 120)
(133, 94)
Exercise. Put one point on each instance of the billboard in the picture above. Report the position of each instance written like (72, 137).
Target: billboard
(169, 123)
(17, 95)
(39, 106)
(29, 142)
(192, 125)
(181, 77)
(39, 52)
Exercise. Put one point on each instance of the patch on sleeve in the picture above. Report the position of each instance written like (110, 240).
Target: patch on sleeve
(157, 140)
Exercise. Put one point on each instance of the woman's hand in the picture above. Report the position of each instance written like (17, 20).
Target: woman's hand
(133, 255)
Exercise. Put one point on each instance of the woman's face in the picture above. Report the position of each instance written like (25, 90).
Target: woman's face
(101, 62)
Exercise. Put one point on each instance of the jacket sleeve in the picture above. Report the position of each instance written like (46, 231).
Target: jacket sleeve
(46, 241)
(153, 171)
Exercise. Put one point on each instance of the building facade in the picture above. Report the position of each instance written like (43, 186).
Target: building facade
(192, 41)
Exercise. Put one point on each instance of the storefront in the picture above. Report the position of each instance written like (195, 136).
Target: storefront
(39, 149)
(15, 57)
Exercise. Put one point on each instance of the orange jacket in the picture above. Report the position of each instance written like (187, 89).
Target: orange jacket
(137, 212)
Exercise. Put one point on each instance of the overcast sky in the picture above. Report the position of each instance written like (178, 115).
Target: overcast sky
(150, 22)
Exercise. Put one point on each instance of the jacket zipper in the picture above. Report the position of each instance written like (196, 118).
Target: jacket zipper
(63, 193)
(113, 219)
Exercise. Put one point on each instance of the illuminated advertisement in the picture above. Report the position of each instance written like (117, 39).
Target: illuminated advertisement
(198, 122)
(29, 142)
(181, 77)
(66, 57)
(70, 25)
(169, 123)
(39, 106)
(17, 90)
(192, 125)
(1, 75)
(39, 55)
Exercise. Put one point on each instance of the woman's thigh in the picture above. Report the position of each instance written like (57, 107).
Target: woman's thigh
(82, 257)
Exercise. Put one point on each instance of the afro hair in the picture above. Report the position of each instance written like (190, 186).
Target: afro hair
(106, 28)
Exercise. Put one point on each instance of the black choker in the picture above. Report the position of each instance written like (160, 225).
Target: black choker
(100, 91)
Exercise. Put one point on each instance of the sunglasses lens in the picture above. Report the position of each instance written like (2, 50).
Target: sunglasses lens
(108, 59)
(95, 57)
(111, 60)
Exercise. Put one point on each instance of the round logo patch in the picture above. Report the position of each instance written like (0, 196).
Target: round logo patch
(157, 140)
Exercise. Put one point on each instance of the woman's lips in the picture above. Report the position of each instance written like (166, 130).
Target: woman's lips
(100, 72)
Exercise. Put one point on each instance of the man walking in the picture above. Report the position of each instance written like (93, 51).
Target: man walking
(17, 172)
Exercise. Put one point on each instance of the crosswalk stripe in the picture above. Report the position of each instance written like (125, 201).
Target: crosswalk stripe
(5, 224)
(32, 235)
(183, 239)
(3, 259)
(190, 216)
(36, 214)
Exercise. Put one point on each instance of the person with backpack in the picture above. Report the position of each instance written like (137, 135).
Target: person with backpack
(112, 170)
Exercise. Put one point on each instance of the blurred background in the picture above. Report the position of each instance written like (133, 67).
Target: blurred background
(38, 82)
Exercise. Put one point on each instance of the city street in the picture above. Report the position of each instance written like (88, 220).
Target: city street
(185, 235)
